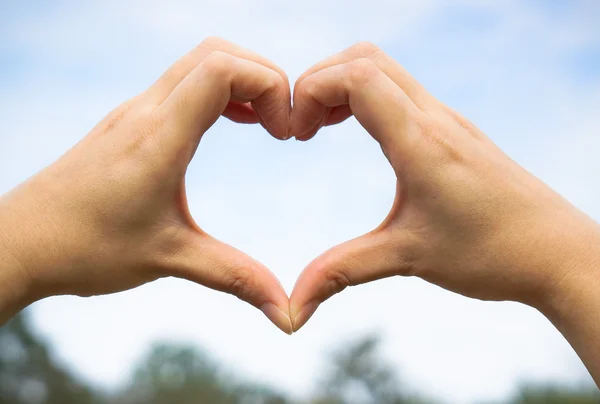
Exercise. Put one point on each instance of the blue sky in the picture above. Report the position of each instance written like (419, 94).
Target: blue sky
(528, 73)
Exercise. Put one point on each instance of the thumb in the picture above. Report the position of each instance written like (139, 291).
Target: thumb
(376, 255)
(216, 265)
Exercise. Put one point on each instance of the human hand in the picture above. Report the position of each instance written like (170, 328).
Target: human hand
(112, 213)
(466, 217)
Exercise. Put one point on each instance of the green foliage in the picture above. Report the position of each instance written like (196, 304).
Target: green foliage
(184, 375)
(29, 375)
(540, 394)
(359, 375)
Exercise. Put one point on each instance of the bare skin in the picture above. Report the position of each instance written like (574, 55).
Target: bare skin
(112, 213)
(466, 217)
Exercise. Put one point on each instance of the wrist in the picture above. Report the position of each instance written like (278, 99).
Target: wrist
(16, 286)
(574, 291)
(18, 260)
(561, 254)
(574, 309)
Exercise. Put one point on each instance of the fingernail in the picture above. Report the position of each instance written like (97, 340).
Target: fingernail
(288, 125)
(284, 136)
(265, 124)
(311, 131)
(304, 315)
(297, 127)
(277, 317)
(286, 133)
(293, 127)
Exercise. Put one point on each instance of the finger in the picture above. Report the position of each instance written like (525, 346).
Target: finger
(373, 256)
(320, 121)
(167, 83)
(204, 94)
(180, 69)
(333, 116)
(338, 115)
(381, 107)
(416, 92)
(240, 113)
(218, 266)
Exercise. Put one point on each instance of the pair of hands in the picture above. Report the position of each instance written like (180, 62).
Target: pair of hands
(112, 214)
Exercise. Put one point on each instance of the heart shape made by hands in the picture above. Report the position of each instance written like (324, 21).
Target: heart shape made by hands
(115, 214)
(320, 99)
(443, 164)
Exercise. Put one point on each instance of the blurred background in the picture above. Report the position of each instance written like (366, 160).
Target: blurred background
(527, 73)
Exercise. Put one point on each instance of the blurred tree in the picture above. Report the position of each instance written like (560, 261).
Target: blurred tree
(184, 375)
(359, 375)
(550, 394)
(171, 374)
(29, 375)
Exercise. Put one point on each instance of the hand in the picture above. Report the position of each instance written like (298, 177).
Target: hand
(466, 217)
(112, 213)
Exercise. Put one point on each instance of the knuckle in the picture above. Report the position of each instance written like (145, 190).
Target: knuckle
(213, 42)
(309, 88)
(147, 122)
(300, 82)
(464, 123)
(145, 126)
(361, 70)
(240, 282)
(116, 116)
(275, 80)
(217, 64)
(284, 78)
(365, 49)
(442, 144)
(337, 280)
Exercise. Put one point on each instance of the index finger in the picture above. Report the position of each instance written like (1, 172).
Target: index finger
(306, 129)
(379, 104)
(199, 100)
(237, 109)
(394, 70)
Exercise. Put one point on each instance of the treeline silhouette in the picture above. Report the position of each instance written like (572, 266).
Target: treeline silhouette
(185, 375)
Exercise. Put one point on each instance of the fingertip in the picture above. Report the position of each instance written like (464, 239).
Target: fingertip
(277, 317)
(277, 122)
(282, 117)
(310, 133)
(285, 133)
(295, 126)
(282, 108)
(307, 295)
(301, 317)
(307, 117)
(305, 138)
